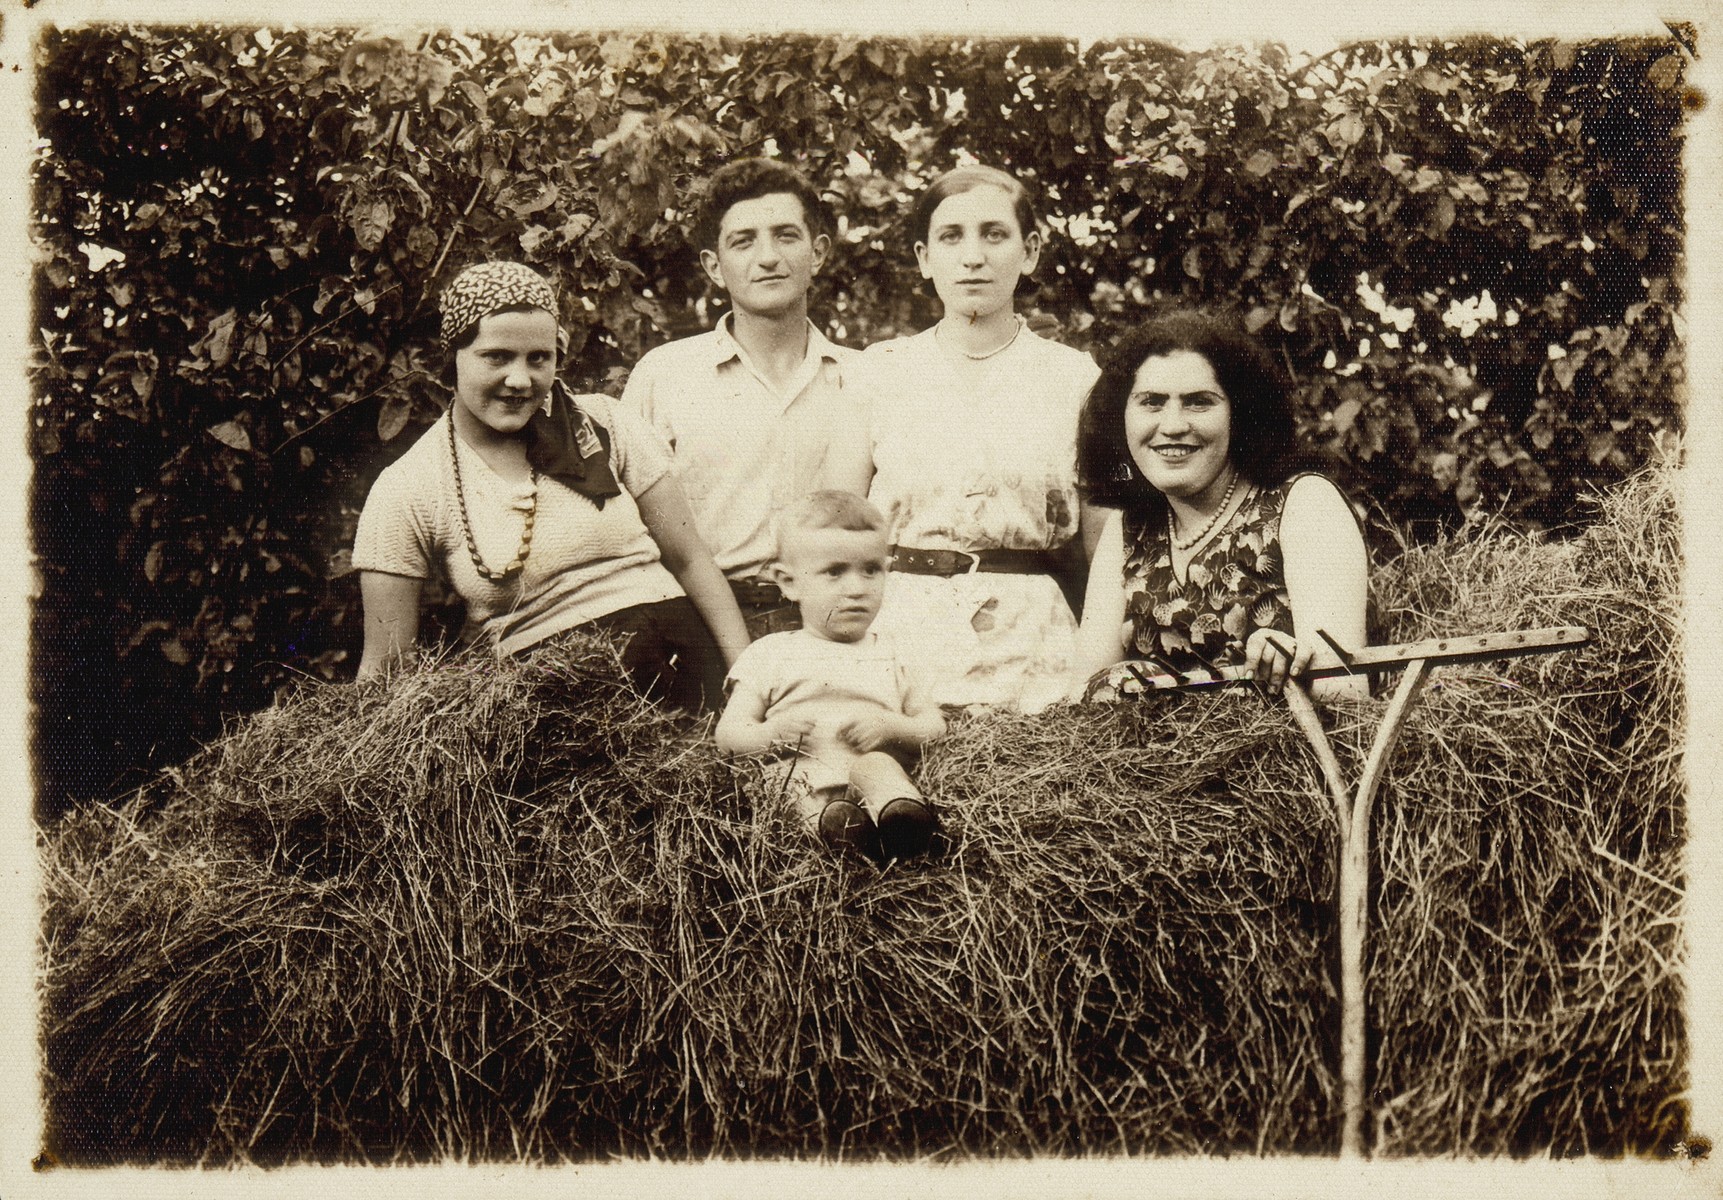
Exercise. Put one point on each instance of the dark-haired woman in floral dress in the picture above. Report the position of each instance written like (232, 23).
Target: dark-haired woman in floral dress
(1221, 553)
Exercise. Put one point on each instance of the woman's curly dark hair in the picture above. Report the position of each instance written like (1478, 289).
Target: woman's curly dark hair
(1263, 439)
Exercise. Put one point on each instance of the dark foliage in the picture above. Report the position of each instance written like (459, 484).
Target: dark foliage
(242, 232)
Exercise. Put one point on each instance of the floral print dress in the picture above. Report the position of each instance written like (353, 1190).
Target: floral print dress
(979, 464)
(1234, 586)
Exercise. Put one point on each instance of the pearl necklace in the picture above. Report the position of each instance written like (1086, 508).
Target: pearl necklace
(1199, 535)
(514, 567)
(999, 349)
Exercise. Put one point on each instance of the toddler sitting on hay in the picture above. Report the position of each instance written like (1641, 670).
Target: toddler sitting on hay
(833, 695)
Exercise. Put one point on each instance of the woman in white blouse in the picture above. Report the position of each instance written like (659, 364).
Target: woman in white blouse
(974, 441)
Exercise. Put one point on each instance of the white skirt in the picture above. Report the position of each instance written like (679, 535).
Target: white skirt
(1002, 640)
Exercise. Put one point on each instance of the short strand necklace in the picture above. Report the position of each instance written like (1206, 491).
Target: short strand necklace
(999, 349)
(514, 567)
(1199, 535)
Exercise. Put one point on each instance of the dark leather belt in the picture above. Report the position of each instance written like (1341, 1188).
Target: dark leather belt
(757, 593)
(957, 562)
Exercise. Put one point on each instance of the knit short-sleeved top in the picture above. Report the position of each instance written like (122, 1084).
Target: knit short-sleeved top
(586, 561)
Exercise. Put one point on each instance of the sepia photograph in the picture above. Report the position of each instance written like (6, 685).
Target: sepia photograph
(878, 599)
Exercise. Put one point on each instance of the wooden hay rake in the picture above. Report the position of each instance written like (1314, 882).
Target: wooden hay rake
(1352, 806)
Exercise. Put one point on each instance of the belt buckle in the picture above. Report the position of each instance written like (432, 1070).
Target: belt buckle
(935, 562)
(950, 562)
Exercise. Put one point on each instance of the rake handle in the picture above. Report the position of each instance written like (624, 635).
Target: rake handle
(1371, 660)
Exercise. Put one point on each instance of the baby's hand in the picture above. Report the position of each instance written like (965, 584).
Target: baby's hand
(866, 733)
(790, 731)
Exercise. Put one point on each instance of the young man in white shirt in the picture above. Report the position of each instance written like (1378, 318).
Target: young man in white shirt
(757, 411)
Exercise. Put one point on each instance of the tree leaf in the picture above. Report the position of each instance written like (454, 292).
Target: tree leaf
(1470, 189)
(231, 433)
(575, 227)
(535, 202)
(434, 77)
(509, 90)
(422, 244)
(1441, 215)
(1666, 74)
(331, 287)
(475, 95)
(370, 222)
(1345, 133)
(533, 238)
(392, 416)
(364, 63)
(218, 342)
(1430, 79)
(617, 51)
(1116, 114)
(1261, 163)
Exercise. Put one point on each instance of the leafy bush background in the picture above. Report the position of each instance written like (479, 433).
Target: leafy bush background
(241, 234)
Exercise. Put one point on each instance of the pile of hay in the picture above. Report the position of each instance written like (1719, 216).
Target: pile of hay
(511, 911)
(1526, 971)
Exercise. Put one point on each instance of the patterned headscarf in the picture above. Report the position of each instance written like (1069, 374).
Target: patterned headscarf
(563, 440)
(483, 289)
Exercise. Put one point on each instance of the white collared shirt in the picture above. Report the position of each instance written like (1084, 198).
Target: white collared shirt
(743, 449)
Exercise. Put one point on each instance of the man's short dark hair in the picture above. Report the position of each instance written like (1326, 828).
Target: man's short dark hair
(749, 179)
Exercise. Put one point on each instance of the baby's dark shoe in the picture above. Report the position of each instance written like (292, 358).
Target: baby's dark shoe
(905, 828)
(845, 825)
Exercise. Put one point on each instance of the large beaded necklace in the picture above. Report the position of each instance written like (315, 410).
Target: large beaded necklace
(519, 561)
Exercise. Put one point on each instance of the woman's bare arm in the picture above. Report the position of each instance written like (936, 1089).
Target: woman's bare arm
(1327, 578)
(665, 512)
(1099, 643)
(391, 604)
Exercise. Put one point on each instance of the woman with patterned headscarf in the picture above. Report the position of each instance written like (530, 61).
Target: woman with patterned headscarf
(545, 511)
